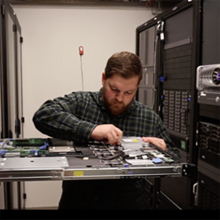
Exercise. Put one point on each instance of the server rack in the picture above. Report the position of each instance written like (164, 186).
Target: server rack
(148, 38)
(177, 57)
(208, 126)
(11, 86)
(12, 70)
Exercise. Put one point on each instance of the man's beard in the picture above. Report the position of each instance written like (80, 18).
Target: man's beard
(116, 109)
(112, 106)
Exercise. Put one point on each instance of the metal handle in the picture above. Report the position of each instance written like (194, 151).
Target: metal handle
(195, 192)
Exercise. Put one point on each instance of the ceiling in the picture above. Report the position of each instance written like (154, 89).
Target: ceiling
(157, 6)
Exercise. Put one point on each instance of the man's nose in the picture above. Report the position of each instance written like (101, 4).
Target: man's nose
(120, 97)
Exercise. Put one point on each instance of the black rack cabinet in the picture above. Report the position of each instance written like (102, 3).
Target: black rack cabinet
(208, 126)
(176, 39)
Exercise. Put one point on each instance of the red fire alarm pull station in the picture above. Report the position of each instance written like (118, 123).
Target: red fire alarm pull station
(81, 50)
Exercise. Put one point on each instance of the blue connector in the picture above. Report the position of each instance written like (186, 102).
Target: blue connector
(34, 151)
(44, 147)
(162, 78)
(2, 152)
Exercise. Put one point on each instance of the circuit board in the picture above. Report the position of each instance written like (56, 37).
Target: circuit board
(54, 159)
(35, 147)
(133, 151)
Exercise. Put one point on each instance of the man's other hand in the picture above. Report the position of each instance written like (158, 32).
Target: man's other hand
(156, 141)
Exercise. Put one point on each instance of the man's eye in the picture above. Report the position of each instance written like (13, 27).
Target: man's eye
(129, 93)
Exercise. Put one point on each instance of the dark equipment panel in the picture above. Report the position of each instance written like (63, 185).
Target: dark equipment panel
(208, 193)
(175, 34)
(176, 60)
(211, 32)
(171, 188)
(209, 115)
(175, 110)
(209, 111)
(164, 202)
(177, 66)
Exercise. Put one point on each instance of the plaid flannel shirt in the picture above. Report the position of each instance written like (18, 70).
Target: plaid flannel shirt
(74, 116)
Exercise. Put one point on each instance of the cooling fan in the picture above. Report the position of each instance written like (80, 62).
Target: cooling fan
(208, 84)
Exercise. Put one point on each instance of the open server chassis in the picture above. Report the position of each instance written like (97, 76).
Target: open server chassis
(53, 159)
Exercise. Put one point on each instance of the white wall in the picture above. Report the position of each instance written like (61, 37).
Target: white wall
(52, 36)
(51, 62)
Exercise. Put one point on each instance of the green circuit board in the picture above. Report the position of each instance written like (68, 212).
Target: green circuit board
(25, 152)
(35, 147)
(23, 147)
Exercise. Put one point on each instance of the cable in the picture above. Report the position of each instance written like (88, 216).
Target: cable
(82, 73)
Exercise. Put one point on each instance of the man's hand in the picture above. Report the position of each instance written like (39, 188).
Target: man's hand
(107, 133)
(156, 141)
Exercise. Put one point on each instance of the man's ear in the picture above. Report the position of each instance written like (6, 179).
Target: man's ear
(103, 78)
(139, 82)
